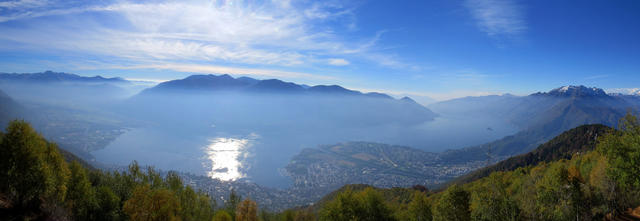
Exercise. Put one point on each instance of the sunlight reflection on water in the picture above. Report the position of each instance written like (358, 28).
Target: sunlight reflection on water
(226, 156)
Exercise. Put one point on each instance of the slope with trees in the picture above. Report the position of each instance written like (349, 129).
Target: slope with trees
(575, 141)
(598, 184)
(36, 183)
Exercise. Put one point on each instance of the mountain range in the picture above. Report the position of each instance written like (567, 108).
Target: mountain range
(283, 111)
(319, 114)
(539, 116)
(279, 102)
(226, 83)
(65, 89)
(50, 77)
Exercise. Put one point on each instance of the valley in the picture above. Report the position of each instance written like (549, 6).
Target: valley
(304, 167)
(297, 110)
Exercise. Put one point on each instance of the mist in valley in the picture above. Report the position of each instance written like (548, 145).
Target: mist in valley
(260, 131)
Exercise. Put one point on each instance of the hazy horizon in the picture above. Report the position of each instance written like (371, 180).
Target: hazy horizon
(423, 99)
(436, 49)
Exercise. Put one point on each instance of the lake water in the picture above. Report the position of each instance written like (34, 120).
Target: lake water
(225, 158)
(259, 154)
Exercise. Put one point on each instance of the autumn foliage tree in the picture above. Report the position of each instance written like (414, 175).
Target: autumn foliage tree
(247, 210)
(622, 150)
(150, 204)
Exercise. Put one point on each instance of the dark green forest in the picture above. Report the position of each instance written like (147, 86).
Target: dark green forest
(594, 178)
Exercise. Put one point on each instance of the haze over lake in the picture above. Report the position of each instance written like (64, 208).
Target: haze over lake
(259, 155)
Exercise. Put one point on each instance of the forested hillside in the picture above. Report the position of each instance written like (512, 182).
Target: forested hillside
(36, 183)
(592, 185)
(575, 141)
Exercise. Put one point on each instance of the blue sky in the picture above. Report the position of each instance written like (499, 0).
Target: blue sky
(440, 49)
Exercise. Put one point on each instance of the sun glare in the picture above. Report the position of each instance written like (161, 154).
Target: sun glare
(225, 156)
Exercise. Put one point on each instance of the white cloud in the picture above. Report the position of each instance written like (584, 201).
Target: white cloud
(338, 62)
(327, 10)
(627, 91)
(208, 69)
(271, 33)
(22, 4)
(497, 17)
(595, 77)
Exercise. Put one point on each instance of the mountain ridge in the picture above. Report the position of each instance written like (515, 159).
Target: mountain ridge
(574, 91)
(50, 76)
(226, 83)
(575, 141)
(539, 116)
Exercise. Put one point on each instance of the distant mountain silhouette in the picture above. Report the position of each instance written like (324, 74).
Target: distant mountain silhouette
(63, 88)
(378, 95)
(50, 76)
(568, 107)
(332, 89)
(408, 100)
(555, 111)
(275, 86)
(540, 116)
(248, 80)
(279, 102)
(226, 83)
(203, 82)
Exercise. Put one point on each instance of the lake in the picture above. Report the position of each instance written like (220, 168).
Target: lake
(257, 154)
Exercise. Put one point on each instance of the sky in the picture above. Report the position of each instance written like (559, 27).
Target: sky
(438, 49)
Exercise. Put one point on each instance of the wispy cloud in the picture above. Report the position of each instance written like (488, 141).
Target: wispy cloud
(22, 4)
(207, 69)
(627, 91)
(461, 93)
(338, 62)
(497, 17)
(469, 77)
(594, 77)
(274, 33)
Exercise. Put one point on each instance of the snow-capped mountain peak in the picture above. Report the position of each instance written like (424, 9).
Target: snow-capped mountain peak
(577, 91)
